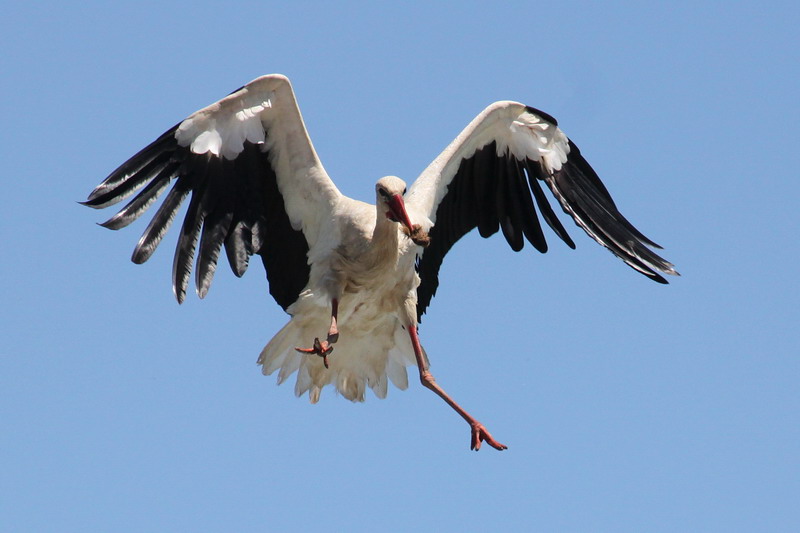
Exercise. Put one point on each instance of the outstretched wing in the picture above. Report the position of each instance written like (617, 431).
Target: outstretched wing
(490, 176)
(256, 187)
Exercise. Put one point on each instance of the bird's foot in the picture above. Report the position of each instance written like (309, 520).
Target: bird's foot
(320, 348)
(479, 434)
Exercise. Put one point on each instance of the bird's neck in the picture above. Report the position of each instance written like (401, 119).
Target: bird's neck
(386, 236)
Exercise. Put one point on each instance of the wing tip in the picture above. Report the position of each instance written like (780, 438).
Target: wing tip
(97, 192)
(658, 278)
(116, 222)
(180, 293)
(88, 203)
(141, 253)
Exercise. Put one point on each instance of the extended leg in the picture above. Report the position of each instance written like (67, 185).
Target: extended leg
(479, 432)
(323, 348)
(333, 331)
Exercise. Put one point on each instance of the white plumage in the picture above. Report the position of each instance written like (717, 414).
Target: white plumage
(357, 276)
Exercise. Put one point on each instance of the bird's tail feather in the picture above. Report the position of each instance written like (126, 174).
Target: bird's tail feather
(356, 362)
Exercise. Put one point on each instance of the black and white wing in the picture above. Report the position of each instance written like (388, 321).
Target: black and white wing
(489, 177)
(256, 187)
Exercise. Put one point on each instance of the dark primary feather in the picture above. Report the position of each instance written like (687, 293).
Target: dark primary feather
(530, 222)
(234, 203)
(135, 171)
(581, 194)
(487, 192)
(143, 200)
(491, 192)
(533, 169)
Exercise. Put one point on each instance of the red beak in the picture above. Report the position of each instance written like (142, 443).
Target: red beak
(397, 211)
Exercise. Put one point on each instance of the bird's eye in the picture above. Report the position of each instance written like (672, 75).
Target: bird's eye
(404, 191)
(383, 193)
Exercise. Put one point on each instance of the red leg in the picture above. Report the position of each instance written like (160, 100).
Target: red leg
(323, 348)
(333, 331)
(479, 432)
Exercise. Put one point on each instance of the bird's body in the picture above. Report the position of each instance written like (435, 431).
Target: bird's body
(372, 274)
(357, 276)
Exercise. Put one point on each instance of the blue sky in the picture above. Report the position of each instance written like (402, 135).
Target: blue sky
(626, 405)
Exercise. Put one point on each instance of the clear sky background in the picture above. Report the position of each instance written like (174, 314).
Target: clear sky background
(626, 405)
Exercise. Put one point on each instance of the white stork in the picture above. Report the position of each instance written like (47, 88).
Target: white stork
(350, 273)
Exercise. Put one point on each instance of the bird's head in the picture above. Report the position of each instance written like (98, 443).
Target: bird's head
(389, 193)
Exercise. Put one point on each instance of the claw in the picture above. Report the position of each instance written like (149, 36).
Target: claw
(321, 348)
(480, 434)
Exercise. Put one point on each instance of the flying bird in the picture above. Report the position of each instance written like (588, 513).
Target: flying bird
(355, 278)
